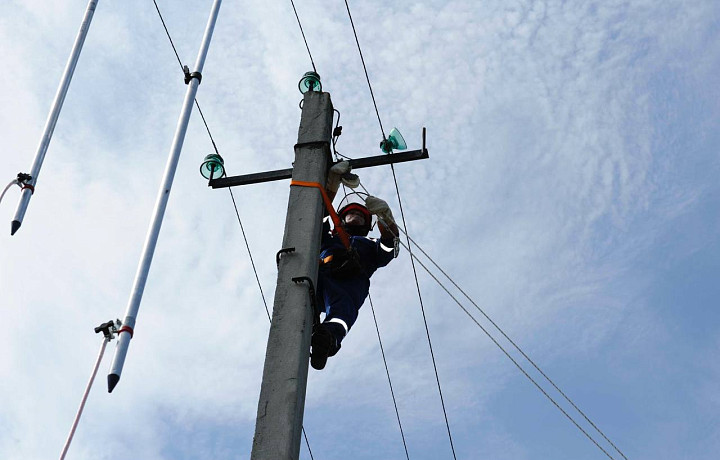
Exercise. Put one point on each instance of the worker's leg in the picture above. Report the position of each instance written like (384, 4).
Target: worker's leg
(342, 299)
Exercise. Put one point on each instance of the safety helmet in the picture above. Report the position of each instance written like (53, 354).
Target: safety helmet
(356, 230)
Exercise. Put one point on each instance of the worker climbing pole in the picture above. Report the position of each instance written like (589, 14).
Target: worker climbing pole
(347, 263)
(282, 394)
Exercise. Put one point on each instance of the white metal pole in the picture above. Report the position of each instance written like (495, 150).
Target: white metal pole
(126, 332)
(29, 188)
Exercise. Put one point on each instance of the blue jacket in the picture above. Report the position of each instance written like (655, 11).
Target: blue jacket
(372, 254)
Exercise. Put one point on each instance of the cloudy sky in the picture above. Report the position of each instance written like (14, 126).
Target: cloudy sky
(571, 191)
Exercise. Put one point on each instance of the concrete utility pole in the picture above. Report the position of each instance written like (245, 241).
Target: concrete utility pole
(282, 395)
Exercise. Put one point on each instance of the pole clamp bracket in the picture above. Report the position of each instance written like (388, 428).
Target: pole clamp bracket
(22, 180)
(109, 329)
(189, 76)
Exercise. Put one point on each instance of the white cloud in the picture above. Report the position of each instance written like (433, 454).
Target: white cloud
(571, 153)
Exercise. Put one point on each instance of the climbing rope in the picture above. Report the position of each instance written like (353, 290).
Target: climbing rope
(109, 331)
(7, 187)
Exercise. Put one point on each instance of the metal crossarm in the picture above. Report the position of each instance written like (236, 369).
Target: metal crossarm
(280, 174)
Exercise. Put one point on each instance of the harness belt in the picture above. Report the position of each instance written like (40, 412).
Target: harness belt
(328, 204)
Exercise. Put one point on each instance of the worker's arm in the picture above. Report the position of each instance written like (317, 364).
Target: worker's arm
(388, 230)
(340, 172)
(386, 222)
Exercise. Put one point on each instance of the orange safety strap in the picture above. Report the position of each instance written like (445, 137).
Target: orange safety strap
(328, 204)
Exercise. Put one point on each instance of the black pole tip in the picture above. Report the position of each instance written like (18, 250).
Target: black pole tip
(14, 227)
(113, 380)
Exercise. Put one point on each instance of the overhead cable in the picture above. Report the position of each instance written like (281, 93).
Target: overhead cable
(387, 371)
(303, 35)
(252, 262)
(422, 309)
(520, 350)
(402, 215)
(413, 257)
(382, 352)
(197, 104)
(514, 361)
(362, 59)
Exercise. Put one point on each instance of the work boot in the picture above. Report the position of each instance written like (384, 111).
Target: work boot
(338, 333)
(322, 346)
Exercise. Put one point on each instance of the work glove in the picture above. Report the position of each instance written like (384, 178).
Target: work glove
(380, 208)
(340, 172)
(350, 180)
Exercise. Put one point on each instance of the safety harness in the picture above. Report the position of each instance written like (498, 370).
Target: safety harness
(340, 265)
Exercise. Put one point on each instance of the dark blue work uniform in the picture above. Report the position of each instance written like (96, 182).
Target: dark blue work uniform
(342, 290)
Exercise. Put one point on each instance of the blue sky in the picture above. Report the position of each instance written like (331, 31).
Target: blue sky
(571, 191)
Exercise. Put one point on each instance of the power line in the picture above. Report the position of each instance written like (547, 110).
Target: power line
(387, 371)
(362, 59)
(172, 44)
(520, 350)
(303, 35)
(413, 256)
(382, 352)
(402, 215)
(157, 8)
(252, 262)
(507, 354)
(422, 308)
(207, 128)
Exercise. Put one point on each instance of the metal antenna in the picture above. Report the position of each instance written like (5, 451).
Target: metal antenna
(28, 186)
